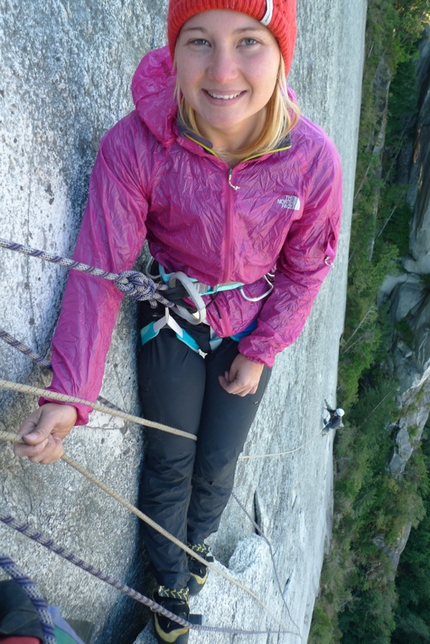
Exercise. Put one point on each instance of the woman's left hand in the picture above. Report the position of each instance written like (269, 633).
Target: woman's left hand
(243, 377)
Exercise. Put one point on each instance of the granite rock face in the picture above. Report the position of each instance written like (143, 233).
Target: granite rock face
(419, 178)
(409, 298)
(409, 292)
(65, 71)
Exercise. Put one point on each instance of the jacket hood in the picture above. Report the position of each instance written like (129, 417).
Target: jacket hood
(153, 88)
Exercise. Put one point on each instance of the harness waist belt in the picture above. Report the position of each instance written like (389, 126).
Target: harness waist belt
(201, 288)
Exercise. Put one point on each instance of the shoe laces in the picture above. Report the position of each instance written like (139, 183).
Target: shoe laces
(172, 593)
(202, 549)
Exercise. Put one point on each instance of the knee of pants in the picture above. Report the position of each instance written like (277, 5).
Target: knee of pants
(169, 465)
(216, 472)
(163, 450)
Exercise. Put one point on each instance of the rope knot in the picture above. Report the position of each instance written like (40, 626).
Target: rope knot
(141, 287)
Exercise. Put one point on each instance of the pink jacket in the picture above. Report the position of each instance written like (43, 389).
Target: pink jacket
(153, 182)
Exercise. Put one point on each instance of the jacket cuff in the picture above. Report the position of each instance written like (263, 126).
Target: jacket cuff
(83, 410)
(256, 351)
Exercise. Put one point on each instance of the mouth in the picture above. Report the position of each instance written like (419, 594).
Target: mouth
(223, 95)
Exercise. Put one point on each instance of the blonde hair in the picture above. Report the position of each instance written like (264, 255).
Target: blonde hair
(282, 114)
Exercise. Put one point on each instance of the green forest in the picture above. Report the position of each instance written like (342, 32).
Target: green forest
(362, 597)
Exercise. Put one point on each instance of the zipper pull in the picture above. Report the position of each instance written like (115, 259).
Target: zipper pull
(230, 173)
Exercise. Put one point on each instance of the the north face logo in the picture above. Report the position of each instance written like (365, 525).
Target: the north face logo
(290, 201)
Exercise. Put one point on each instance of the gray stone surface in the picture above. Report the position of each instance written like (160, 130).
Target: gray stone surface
(406, 292)
(419, 178)
(413, 414)
(65, 70)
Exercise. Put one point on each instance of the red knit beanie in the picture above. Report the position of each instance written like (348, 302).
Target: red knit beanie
(279, 16)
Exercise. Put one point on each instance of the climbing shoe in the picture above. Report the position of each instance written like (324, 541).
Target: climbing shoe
(198, 571)
(175, 601)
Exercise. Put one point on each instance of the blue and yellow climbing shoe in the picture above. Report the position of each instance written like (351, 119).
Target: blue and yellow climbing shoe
(175, 601)
(198, 571)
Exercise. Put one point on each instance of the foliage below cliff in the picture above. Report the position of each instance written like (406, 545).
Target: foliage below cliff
(380, 228)
(358, 596)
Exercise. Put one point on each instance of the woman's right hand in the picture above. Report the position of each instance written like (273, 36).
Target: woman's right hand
(43, 431)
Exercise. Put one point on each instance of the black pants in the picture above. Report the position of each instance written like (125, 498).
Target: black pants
(186, 484)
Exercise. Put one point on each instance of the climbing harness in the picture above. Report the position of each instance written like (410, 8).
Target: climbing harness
(141, 287)
(152, 329)
(34, 594)
(192, 290)
(194, 287)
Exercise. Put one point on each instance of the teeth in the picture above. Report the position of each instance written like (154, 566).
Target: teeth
(225, 98)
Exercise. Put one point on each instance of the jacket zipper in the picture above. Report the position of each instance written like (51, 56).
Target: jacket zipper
(230, 174)
(229, 227)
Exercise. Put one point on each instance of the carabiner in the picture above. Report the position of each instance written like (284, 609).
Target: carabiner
(259, 297)
(194, 296)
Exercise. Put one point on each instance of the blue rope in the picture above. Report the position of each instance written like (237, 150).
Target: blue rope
(4, 335)
(25, 350)
(35, 596)
(80, 563)
(131, 283)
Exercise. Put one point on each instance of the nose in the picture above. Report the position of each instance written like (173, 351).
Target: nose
(222, 66)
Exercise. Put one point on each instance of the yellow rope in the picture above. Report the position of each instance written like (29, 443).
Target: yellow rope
(12, 437)
(52, 395)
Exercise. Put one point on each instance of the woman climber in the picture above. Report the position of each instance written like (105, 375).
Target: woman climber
(235, 190)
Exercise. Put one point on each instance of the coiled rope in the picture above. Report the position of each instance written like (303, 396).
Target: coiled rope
(131, 283)
(12, 437)
(34, 594)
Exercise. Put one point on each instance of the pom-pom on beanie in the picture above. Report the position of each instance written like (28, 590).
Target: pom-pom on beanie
(279, 16)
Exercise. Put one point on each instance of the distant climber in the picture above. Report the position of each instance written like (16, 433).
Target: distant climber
(334, 421)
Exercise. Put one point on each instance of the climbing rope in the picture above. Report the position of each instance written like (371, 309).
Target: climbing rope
(4, 335)
(290, 451)
(140, 287)
(52, 395)
(45, 393)
(35, 596)
(131, 283)
(12, 437)
(44, 362)
(48, 543)
(39, 359)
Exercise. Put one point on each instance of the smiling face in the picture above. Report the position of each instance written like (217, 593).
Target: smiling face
(227, 65)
